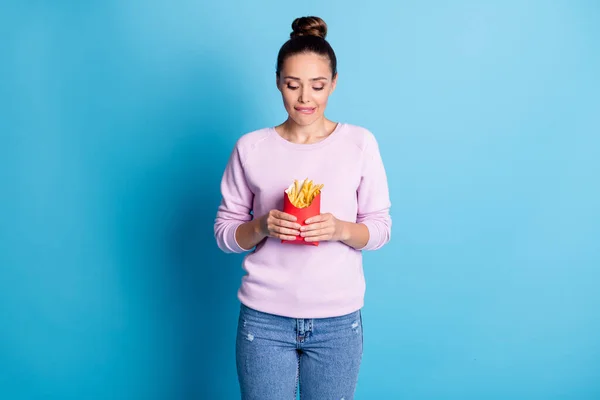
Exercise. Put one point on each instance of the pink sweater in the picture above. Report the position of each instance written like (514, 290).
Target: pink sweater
(302, 281)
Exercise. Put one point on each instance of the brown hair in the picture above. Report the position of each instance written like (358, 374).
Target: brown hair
(308, 36)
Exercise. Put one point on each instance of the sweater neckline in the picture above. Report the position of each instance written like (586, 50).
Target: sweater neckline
(307, 146)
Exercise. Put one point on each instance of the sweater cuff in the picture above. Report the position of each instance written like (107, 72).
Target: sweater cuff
(230, 240)
(374, 235)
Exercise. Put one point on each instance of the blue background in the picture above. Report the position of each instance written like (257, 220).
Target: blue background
(116, 122)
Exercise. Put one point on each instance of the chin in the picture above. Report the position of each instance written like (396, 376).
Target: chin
(305, 120)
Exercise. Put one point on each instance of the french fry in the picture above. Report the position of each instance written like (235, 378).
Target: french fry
(307, 188)
(301, 194)
(296, 188)
(292, 194)
(311, 192)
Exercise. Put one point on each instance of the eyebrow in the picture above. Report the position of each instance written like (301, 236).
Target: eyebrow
(320, 78)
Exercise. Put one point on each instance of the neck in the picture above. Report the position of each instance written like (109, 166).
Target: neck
(305, 134)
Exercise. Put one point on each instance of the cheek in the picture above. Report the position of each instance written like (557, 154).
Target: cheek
(288, 99)
(322, 98)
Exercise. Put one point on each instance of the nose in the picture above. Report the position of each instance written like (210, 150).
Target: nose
(304, 95)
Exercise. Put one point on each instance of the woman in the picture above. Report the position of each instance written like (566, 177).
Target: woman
(300, 319)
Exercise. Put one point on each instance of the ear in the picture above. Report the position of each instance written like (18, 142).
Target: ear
(333, 83)
(277, 81)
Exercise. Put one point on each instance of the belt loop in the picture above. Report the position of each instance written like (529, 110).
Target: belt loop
(300, 326)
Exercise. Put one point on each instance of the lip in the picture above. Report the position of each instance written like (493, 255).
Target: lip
(305, 110)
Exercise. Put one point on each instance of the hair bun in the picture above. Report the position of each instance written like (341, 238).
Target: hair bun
(309, 26)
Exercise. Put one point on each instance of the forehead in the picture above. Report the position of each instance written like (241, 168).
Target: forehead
(306, 66)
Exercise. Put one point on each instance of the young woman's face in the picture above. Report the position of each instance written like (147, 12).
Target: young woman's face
(305, 83)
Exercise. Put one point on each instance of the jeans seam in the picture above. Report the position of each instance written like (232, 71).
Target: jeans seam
(297, 376)
(362, 330)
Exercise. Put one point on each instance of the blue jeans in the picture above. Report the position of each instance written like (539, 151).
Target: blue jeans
(275, 355)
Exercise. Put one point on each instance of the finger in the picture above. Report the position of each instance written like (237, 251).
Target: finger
(285, 216)
(318, 232)
(286, 224)
(316, 218)
(286, 237)
(321, 238)
(282, 235)
(286, 231)
(314, 226)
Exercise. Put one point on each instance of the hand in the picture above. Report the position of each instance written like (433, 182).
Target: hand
(279, 225)
(322, 228)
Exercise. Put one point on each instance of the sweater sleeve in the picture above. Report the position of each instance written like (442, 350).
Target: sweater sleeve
(373, 197)
(236, 204)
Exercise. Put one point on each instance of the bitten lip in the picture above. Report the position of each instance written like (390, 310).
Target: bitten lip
(305, 109)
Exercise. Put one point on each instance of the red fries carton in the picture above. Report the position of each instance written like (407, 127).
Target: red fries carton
(302, 200)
